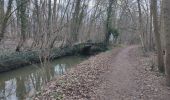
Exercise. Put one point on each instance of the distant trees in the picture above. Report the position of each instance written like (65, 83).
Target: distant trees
(49, 23)
(52, 23)
(55, 22)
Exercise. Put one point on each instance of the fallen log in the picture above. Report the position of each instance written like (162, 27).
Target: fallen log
(20, 59)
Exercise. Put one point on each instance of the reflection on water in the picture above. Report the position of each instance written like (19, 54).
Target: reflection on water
(24, 82)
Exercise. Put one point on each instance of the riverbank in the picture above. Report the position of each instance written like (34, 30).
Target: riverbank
(20, 59)
(119, 74)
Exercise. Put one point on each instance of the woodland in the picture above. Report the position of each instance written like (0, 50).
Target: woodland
(34, 31)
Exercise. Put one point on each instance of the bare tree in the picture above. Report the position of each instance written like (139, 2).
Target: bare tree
(109, 21)
(75, 21)
(157, 36)
(23, 20)
(166, 14)
(141, 25)
(5, 17)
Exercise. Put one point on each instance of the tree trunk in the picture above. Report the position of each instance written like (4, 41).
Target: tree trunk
(23, 19)
(151, 44)
(1, 17)
(75, 21)
(157, 36)
(5, 18)
(49, 21)
(141, 32)
(166, 18)
(108, 22)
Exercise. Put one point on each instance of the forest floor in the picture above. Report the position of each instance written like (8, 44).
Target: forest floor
(123, 73)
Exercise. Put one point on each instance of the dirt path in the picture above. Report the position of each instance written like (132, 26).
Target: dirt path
(128, 79)
(119, 74)
(121, 82)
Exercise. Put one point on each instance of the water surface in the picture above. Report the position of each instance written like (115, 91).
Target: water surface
(22, 83)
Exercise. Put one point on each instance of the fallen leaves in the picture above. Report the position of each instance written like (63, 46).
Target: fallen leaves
(80, 83)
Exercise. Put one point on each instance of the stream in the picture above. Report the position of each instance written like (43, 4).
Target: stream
(22, 84)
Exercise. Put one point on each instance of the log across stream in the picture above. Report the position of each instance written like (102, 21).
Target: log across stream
(20, 59)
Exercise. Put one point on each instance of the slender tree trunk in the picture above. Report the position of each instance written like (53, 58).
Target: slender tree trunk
(157, 36)
(151, 44)
(5, 18)
(141, 33)
(75, 21)
(109, 21)
(49, 19)
(166, 18)
(54, 9)
(23, 19)
(1, 12)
